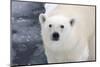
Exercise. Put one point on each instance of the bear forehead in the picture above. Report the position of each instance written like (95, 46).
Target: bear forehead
(59, 19)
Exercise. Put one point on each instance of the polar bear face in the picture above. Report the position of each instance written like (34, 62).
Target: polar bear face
(56, 28)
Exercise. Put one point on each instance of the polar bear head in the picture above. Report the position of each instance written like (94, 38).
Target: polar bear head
(56, 29)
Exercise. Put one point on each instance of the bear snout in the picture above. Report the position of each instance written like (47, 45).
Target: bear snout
(55, 36)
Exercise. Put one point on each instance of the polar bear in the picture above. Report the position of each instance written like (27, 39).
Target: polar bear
(67, 32)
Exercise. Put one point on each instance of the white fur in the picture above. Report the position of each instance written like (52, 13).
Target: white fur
(73, 43)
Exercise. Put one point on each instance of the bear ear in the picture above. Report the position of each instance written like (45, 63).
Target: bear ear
(42, 18)
(72, 21)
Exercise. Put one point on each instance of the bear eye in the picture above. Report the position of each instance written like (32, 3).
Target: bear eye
(50, 25)
(62, 26)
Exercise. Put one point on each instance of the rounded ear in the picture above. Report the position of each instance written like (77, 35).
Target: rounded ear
(72, 21)
(42, 18)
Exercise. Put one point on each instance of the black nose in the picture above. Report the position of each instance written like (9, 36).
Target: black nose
(55, 36)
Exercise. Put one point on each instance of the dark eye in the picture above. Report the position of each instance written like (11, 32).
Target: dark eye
(50, 25)
(62, 26)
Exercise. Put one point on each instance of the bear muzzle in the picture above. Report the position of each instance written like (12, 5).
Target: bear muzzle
(55, 36)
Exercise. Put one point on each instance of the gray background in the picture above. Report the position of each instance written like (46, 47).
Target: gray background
(26, 42)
